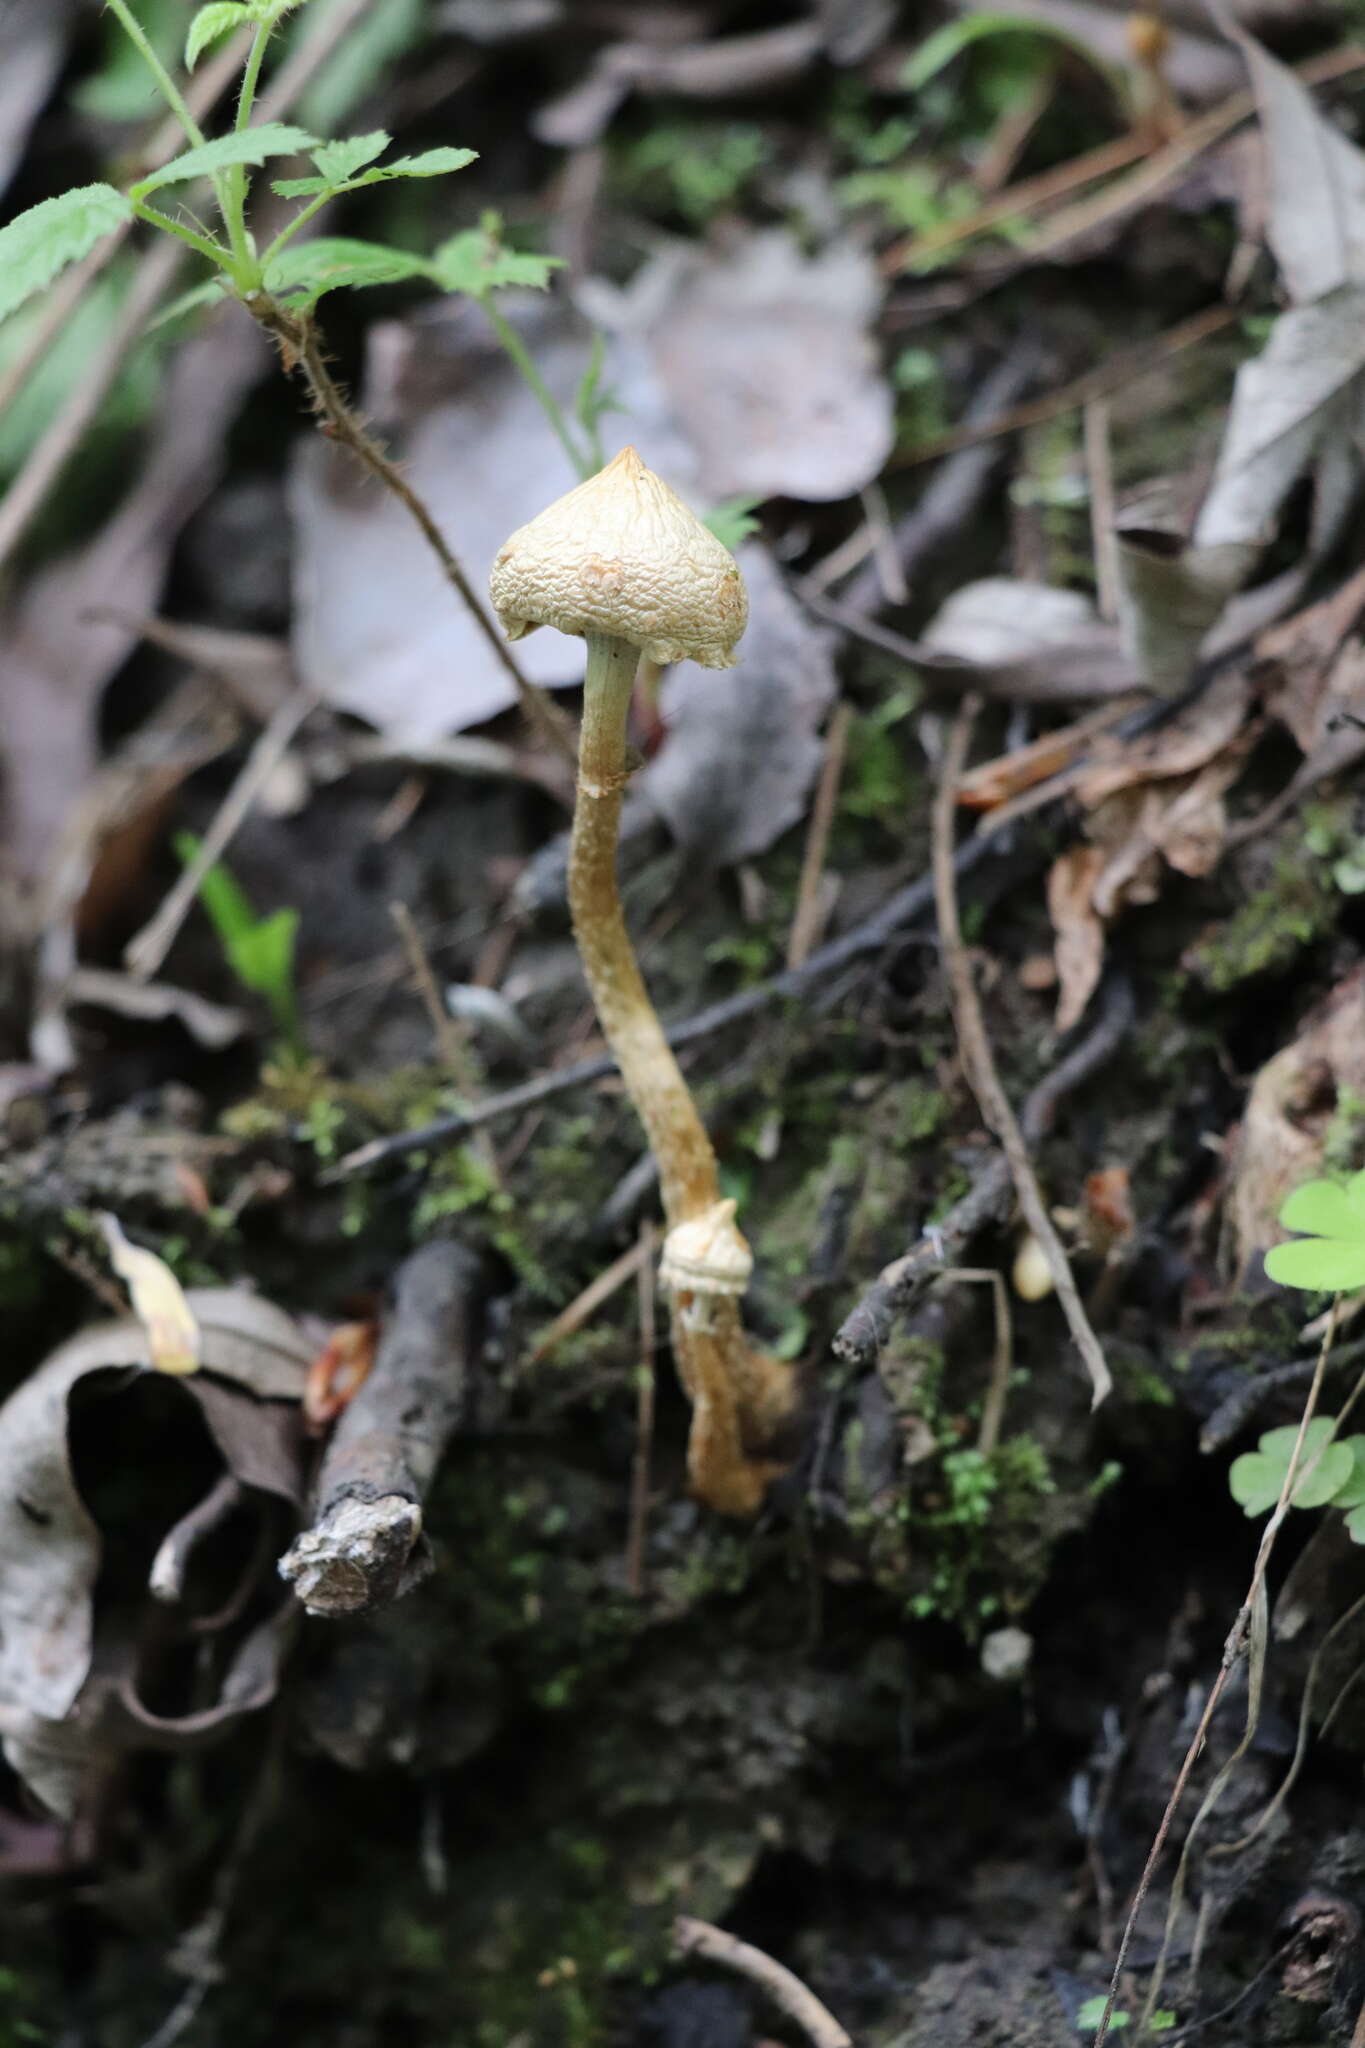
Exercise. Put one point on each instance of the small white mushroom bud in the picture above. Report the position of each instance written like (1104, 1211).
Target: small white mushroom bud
(708, 1254)
(1006, 1654)
(1032, 1275)
(623, 555)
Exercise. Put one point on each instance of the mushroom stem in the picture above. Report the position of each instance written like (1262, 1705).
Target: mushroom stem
(739, 1395)
(688, 1175)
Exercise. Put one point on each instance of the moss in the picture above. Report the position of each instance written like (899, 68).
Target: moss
(1296, 907)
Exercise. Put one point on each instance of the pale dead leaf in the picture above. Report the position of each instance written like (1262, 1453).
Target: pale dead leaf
(741, 749)
(768, 363)
(1079, 942)
(1031, 642)
(49, 1544)
(1169, 597)
(54, 662)
(1315, 181)
(1290, 405)
(159, 1303)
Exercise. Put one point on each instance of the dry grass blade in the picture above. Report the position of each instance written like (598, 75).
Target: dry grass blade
(808, 916)
(1232, 1649)
(979, 1062)
(586, 1305)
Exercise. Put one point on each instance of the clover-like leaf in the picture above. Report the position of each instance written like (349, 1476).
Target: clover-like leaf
(1331, 1258)
(1355, 1525)
(37, 245)
(1257, 1477)
(1351, 1493)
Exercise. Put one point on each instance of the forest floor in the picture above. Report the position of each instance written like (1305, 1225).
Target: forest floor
(1021, 359)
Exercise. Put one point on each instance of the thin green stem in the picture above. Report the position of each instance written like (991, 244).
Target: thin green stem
(235, 191)
(220, 257)
(166, 85)
(301, 219)
(512, 343)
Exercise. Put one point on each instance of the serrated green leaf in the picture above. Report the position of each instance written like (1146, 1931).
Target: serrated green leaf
(313, 268)
(733, 521)
(36, 246)
(1323, 1265)
(251, 146)
(299, 188)
(211, 24)
(475, 263)
(428, 163)
(221, 17)
(338, 161)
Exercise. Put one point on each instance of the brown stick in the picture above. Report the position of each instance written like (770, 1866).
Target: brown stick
(778, 1984)
(979, 1062)
(362, 1550)
(807, 920)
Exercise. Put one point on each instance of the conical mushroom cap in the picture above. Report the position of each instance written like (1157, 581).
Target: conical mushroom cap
(622, 554)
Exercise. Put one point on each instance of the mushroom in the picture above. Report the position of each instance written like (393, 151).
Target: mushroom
(623, 563)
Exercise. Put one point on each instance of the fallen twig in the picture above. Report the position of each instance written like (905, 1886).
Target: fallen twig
(586, 1304)
(987, 1201)
(979, 1062)
(362, 1550)
(780, 1985)
(808, 919)
(870, 936)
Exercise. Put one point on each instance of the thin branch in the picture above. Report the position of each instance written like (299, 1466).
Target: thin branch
(585, 1305)
(979, 1061)
(301, 350)
(778, 1984)
(807, 919)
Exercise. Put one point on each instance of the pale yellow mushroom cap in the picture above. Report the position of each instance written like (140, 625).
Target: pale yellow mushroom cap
(622, 554)
(708, 1254)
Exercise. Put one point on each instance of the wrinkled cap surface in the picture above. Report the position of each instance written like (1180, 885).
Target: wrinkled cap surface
(622, 554)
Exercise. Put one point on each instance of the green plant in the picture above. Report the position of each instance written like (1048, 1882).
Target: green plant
(259, 950)
(1330, 1257)
(281, 284)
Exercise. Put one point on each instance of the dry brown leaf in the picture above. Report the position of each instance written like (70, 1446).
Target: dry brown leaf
(1186, 743)
(1292, 1102)
(1079, 945)
(49, 1544)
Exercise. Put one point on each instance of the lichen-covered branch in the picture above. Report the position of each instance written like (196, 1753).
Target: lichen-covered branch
(365, 1545)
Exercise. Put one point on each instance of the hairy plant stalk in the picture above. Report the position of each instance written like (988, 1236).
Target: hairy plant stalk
(301, 351)
(738, 1395)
